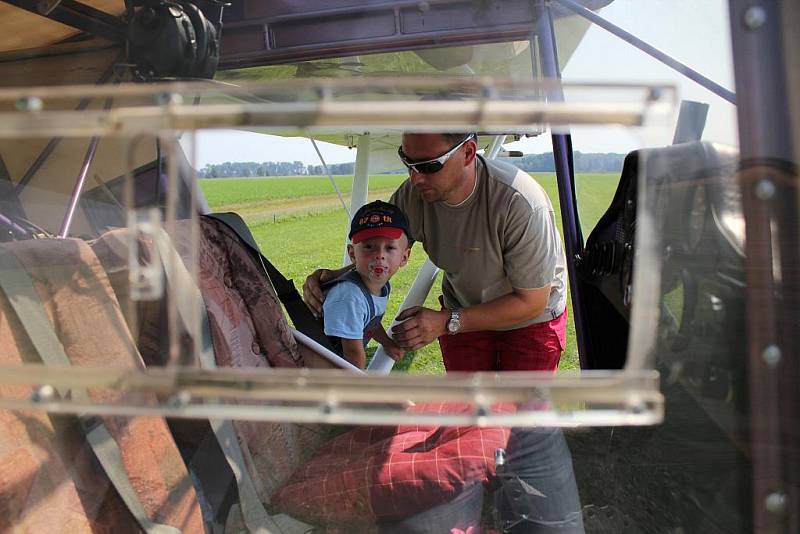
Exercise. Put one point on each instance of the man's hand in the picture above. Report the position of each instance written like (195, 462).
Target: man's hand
(420, 327)
(312, 290)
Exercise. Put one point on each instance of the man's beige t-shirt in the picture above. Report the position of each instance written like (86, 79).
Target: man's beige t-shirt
(502, 236)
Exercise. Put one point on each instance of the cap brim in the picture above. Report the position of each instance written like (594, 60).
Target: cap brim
(382, 231)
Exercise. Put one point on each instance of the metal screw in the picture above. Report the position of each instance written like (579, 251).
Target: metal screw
(765, 189)
(755, 17)
(656, 93)
(775, 502)
(168, 99)
(637, 407)
(43, 394)
(180, 399)
(29, 103)
(772, 356)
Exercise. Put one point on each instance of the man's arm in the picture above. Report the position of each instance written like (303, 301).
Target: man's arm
(312, 287)
(354, 352)
(421, 326)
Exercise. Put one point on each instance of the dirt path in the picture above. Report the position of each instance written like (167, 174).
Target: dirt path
(292, 207)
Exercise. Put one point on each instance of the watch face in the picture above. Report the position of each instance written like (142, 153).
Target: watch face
(454, 324)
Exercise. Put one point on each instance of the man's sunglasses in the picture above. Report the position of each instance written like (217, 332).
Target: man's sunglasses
(430, 166)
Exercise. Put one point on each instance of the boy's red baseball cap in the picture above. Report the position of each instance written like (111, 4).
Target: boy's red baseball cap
(378, 218)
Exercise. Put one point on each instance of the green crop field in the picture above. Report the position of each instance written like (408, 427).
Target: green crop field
(300, 224)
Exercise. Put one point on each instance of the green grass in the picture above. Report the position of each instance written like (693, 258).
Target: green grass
(299, 239)
(237, 191)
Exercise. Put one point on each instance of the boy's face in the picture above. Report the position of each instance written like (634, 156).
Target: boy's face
(378, 258)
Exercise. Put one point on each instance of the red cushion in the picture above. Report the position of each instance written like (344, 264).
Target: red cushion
(389, 473)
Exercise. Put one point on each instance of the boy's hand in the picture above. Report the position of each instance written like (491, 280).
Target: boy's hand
(420, 327)
(312, 290)
(395, 351)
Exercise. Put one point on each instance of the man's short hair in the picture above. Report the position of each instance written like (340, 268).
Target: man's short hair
(454, 138)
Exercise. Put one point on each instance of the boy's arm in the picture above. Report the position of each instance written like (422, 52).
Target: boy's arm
(354, 352)
(392, 349)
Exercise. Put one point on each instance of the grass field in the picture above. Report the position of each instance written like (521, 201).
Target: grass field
(300, 225)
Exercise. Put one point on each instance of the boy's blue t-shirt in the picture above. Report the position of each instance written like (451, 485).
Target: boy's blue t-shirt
(346, 311)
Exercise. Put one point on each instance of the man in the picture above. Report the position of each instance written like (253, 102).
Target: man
(491, 228)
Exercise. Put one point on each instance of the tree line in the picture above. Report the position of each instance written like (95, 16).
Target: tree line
(584, 162)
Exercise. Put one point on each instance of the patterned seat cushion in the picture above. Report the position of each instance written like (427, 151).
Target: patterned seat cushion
(386, 473)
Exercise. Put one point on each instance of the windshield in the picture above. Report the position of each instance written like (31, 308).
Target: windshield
(568, 258)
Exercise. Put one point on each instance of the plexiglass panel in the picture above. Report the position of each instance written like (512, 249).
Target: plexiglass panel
(153, 379)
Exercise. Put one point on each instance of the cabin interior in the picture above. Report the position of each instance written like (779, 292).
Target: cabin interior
(155, 381)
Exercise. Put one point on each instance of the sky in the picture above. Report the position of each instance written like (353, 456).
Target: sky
(695, 32)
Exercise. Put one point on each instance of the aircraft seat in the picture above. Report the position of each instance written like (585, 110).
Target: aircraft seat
(677, 176)
(247, 329)
(60, 473)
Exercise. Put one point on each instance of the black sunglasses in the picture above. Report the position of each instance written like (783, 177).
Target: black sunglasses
(430, 166)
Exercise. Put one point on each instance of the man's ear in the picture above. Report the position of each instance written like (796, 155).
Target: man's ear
(470, 151)
(351, 252)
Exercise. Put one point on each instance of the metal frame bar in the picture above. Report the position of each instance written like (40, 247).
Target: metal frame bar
(76, 190)
(360, 193)
(53, 143)
(317, 117)
(79, 16)
(261, 394)
(495, 146)
(250, 41)
(770, 203)
(650, 50)
(562, 155)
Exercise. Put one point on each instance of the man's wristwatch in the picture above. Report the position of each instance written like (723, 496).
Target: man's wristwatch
(454, 324)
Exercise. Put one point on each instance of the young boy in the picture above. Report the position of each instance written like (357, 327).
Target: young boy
(356, 301)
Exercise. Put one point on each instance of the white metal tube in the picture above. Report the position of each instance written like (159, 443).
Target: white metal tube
(495, 146)
(360, 183)
(381, 362)
(332, 357)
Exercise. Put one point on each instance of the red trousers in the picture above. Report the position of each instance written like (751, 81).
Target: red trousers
(537, 347)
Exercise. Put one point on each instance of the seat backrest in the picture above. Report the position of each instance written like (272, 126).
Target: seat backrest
(606, 265)
(52, 481)
(248, 329)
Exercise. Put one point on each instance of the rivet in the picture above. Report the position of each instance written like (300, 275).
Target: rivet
(29, 103)
(772, 355)
(775, 502)
(168, 99)
(180, 399)
(755, 17)
(765, 189)
(43, 393)
(656, 93)
(637, 407)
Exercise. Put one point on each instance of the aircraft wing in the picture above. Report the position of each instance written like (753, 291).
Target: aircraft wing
(335, 41)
